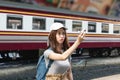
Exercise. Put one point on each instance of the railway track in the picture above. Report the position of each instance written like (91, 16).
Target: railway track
(93, 69)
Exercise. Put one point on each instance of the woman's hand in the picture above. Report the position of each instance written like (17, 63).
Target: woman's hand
(81, 36)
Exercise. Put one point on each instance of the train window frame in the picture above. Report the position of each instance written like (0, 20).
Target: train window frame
(103, 30)
(92, 27)
(40, 26)
(114, 28)
(17, 20)
(76, 28)
(60, 21)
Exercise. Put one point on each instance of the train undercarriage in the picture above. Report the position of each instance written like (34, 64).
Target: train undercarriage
(98, 52)
(34, 54)
(19, 55)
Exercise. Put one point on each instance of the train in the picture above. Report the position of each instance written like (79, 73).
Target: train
(24, 30)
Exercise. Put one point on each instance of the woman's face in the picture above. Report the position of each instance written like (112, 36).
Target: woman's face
(60, 36)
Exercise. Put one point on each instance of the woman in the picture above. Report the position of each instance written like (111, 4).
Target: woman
(59, 51)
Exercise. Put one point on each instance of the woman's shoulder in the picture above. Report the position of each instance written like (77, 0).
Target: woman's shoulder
(48, 51)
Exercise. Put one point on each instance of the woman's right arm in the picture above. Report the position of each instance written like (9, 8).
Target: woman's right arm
(69, 51)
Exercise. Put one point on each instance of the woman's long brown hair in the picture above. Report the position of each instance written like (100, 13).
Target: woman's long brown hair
(53, 42)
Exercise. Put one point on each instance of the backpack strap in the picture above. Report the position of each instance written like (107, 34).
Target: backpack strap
(49, 65)
(69, 58)
(47, 68)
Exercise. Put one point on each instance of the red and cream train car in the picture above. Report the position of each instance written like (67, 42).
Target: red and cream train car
(24, 28)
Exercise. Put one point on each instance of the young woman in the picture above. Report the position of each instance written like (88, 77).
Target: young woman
(59, 51)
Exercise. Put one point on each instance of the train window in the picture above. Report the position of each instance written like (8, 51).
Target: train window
(39, 24)
(105, 28)
(91, 27)
(76, 26)
(60, 21)
(116, 28)
(14, 22)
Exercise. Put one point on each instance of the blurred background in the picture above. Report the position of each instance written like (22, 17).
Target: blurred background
(102, 7)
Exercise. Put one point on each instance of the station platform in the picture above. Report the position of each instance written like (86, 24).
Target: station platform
(111, 77)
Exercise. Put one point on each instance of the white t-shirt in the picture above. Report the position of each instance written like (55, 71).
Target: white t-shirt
(58, 66)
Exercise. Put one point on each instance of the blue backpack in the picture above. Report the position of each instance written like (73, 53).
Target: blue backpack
(42, 69)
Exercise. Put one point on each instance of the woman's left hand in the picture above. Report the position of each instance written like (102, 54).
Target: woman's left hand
(81, 36)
